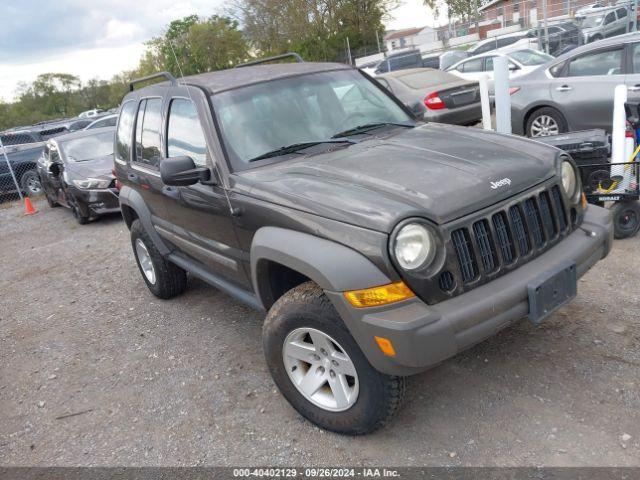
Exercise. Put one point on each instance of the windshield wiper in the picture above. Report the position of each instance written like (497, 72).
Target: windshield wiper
(298, 146)
(370, 126)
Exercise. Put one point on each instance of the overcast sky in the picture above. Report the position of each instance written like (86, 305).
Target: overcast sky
(100, 38)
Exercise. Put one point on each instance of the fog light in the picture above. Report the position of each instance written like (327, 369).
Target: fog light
(376, 296)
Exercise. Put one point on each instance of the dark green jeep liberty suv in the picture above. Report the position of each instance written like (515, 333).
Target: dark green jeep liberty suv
(377, 245)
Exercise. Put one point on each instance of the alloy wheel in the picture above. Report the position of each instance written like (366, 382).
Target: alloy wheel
(543, 126)
(146, 264)
(320, 369)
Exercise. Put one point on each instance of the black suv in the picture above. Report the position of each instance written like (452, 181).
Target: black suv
(377, 245)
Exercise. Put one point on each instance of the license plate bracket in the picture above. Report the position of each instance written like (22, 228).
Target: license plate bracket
(550, 291)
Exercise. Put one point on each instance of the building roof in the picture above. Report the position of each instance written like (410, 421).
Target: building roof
(407, 32)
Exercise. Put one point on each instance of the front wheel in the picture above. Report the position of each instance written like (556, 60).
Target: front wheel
(163, 278)
(320, 369)
(626, 219)
(30, 183)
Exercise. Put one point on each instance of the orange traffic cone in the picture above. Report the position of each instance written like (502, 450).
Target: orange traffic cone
(28, 207)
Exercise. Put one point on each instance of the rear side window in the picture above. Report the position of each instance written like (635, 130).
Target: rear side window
(124, 132)
(17, 139)
(184, 132)
(148, 125)
(622, 12)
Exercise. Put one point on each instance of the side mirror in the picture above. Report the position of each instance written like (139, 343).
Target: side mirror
(182, 172)
(513, 68)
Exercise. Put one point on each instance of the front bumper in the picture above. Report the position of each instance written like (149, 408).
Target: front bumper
(93, 203)
(424, 335)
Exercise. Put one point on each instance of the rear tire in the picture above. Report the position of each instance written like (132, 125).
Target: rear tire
(352, 404)
(626, 219)
(545, 121)
(164, 279)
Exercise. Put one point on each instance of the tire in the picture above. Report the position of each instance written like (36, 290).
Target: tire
(30, 183)
(595, 38)
(51, 203)
(626, 219)
(545, 121)
(168, 280)
(77, 214)
(377, 396)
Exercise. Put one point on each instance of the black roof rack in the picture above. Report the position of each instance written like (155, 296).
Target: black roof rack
(295, 56)
(165, 75)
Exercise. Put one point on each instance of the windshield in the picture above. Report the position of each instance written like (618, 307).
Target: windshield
(530, 57)
(592, 22)
(264, 117)
(87, 148)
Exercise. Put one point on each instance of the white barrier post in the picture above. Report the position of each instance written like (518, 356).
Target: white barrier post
(485, 102)
(618, 129)
(503, 100)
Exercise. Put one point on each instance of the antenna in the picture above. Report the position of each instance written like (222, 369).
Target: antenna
(232, 210)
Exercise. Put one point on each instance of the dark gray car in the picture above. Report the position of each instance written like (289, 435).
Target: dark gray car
(436, 96)
(575, 91)
(377, 246)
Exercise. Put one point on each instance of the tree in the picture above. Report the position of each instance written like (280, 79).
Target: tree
(462, 9)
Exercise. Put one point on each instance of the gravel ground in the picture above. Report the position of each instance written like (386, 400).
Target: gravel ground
(96, 371)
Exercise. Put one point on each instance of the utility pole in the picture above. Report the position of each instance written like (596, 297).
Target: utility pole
(546, 29)
(635, 15)
(378, 42)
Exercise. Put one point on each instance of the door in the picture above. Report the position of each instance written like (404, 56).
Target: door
(632, 78)
(200, 222)
(55, 174)
(144, 174)
(585, 86)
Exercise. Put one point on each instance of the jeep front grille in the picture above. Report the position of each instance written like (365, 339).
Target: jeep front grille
(515, 234)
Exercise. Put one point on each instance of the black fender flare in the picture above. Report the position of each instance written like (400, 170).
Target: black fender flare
(132, 199)
(333, 266)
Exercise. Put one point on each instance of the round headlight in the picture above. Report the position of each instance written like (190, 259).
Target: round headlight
(569, 180)
(414, 246)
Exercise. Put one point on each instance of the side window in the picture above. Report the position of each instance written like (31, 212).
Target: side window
(622, 12)
(184, 132)
(473, 65)
(635, 56)
(148, 125)
(488, 64)
(124, 132)
(608, 62)
(610, 18)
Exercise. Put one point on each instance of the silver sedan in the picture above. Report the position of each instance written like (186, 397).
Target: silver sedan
(575, 91)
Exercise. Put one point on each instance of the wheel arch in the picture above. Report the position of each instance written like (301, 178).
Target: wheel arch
(297, 256)
(134, 207)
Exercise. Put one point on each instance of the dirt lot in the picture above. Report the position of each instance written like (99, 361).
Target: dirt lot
(96, 371)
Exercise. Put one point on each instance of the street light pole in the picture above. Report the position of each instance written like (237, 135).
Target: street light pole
(546, 29)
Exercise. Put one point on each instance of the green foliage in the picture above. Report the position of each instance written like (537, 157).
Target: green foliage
(461, 9)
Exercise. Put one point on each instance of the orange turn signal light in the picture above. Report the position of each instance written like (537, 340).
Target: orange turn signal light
(584, 200)
(386, 346)
(377, 296)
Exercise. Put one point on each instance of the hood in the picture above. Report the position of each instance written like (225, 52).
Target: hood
(99, 167)
(439, 172)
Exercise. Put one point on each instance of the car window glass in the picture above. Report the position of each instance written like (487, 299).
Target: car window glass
(635, 55)
(148, 126)
(123, 134)
(473, 65)
(610, 18)
(622, 12)
(598, 63)
(185, 136)
(264, 117)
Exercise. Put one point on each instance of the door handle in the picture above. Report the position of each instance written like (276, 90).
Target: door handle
(171, 192)
(564, 88)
